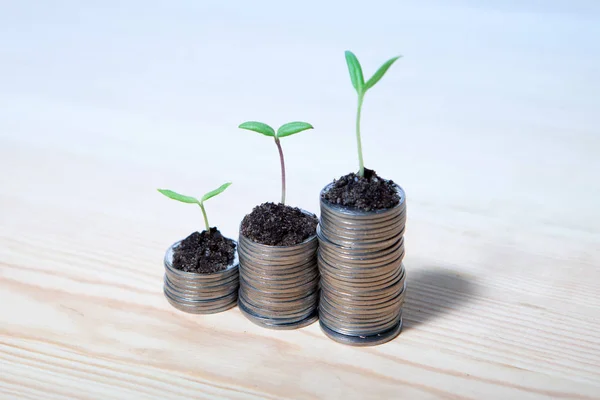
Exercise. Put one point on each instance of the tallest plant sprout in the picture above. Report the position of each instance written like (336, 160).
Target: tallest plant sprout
(288, 129)
(358, 81)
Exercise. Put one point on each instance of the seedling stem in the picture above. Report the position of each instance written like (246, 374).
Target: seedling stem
(278, 143)
(288, 129)
(361, 163)
(358, 81)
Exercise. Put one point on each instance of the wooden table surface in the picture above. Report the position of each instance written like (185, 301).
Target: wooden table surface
(490, 123)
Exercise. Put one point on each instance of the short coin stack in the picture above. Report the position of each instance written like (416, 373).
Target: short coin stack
(279, 285)
(362, 275)
(201, 293)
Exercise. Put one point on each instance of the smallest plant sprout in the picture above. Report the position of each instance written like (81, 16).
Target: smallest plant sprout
(192, 200)
(288, 129)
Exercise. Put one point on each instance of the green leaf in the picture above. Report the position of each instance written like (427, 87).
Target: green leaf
(380, 72)
(215, 192)
(292, 128)
(356, 74)
(179, 197)
(258, 127)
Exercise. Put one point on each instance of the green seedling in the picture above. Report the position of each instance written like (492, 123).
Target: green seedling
(288, 129)
(192, 200)
(358, 81)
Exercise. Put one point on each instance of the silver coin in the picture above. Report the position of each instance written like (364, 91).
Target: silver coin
(356, 312)
(365, 293)
(363, 310)
(361, 295)
(292, 302)
(290, 273)
(275, 286)
(366, 236)
(279, 285)
(276, 261)
(330, 217)
(361, 303)
(353, 250)
(366, 329)
(337, 227)
(203, 307)
(296, 313)
(212, 286)
(279, 324)
(364, 326)
(251, 292)
(200, 293)
(297, 290)
(358, 282)
(294, 278)
(362, 276)
(388, 286)
(276, 316)
(196, 310)
(356, 256)
(371, 340)
(359, 326)
(278, 251)
(203, 303)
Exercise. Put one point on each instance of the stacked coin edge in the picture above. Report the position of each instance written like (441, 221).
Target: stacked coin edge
(198, 293)
(279, 285)
(362, 276)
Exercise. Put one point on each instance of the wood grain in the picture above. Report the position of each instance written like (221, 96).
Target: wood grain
(85, 317)
(500, 165)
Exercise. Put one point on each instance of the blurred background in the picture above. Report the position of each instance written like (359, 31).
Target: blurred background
(490, 120)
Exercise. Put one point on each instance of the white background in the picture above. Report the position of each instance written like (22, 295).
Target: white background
(491, 115)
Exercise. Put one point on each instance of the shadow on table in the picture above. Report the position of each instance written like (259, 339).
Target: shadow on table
(433, 292)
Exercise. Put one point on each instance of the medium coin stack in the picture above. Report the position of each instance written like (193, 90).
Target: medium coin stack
(362, 275)
(201, 293)
(279, 285)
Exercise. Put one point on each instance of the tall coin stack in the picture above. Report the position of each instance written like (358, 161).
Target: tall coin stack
(362, 275)
(279, 285)
(201, 293)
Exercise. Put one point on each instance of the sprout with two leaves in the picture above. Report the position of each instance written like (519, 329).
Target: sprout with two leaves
(358, 81)
(192, 200)
(288, 129)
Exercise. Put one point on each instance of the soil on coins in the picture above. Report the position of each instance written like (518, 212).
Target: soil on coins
(204, 253)
(367, 193)
(278, 225)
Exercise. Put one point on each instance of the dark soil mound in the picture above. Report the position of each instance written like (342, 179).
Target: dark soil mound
(368, 193)
(278, 225)
(204, 253)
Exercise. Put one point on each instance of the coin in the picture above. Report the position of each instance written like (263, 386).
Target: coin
(279, 285)
(371, 337)
(196, 310)
(362, 275)
(284, 310)
(203, 306)
(357, 340)
(200, 293)
(275, 323)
